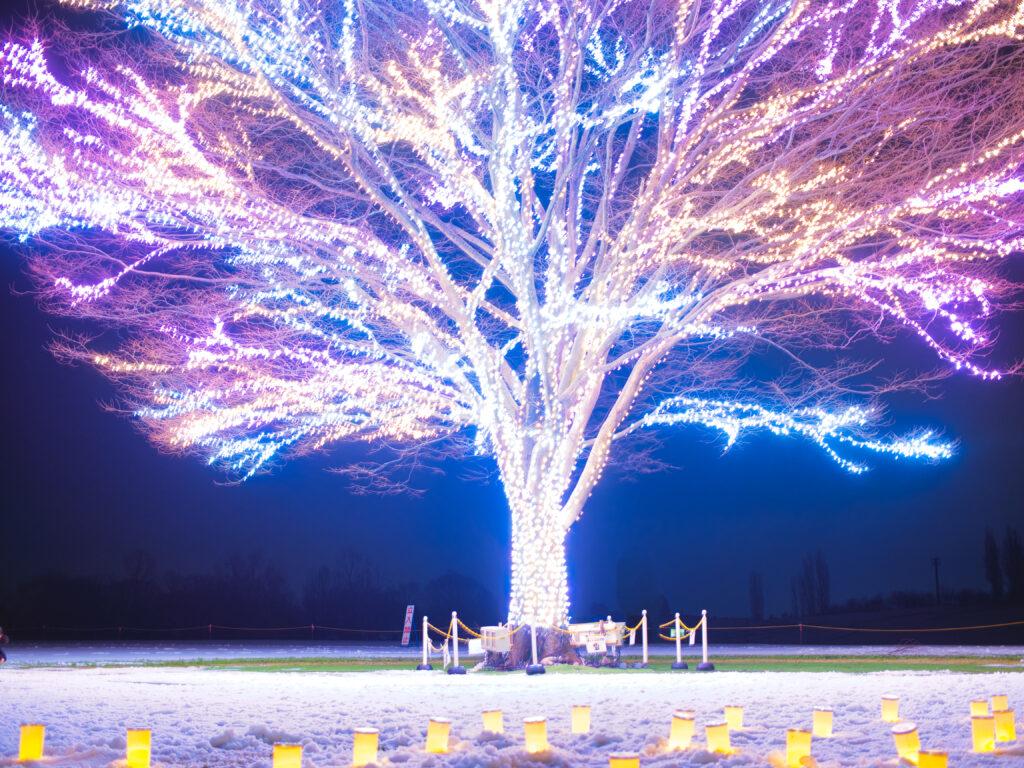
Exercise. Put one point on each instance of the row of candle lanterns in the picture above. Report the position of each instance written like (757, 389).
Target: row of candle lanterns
(138, 745)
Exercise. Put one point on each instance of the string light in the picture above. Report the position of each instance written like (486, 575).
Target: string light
(529, 227)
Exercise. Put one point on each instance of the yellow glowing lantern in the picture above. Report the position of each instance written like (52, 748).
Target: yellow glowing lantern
(624, 760)
(437, 735)
(494, 721)
(798, 746)
(821, 723)
(930, 758)
(1000, 701)
(31, 745)
(983, 733)
(890, 709)
(682, 730)
(287, 756)
(717, 735)
(1006, 727)
(734, 717)
(581, 718)
(907, 740)
(535, 729)
(979, 707)
(137, 747)
(365, 742)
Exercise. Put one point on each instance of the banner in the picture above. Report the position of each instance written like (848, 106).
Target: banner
(407, 631)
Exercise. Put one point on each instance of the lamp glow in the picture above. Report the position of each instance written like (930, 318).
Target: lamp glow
(907, 740)
(717, 735)
(1000, 701)
(930, 758)
(979, 707)
(365, 742)
(734, 717)
(438, 730)
(821, 723)
(581, 718)
(137, 747)
(33, 736)
(624, 760)
(798, 746)
(890, 709)
(535, 731)
(983, 733)
(681, 733)
(287, 756)
(494, 721)
(1006, 727)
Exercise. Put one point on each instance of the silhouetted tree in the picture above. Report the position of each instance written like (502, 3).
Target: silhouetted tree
(811, 588)
(756, 596)
(823, 582)
(1013, 564)
(993, 571)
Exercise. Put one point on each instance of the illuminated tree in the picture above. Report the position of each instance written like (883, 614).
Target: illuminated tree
(527, 228)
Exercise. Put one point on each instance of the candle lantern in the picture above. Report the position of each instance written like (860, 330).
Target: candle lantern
(890, 709)
(798, 746)
(365, 742)
(30, 746)
(137, 750)
(1000, 701)
(682, 730)
(979, 707)
(535, 731)
(581, 718)
(287, 756)
(1006, 727)
(822, 723)
(734, 717)
(438, 730)
(717, 735)
(624, 760)
(930, 758)
(907, 740)
(983, 733)
(494, 721)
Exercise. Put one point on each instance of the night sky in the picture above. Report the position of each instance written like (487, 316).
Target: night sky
(82, 489)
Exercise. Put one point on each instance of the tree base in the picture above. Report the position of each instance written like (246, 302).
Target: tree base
(553, 647)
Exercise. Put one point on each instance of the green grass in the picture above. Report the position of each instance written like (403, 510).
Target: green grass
(852, 664)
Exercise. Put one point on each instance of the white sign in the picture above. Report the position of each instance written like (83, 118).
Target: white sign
(476, 647)
(407, 630)
(597, 644)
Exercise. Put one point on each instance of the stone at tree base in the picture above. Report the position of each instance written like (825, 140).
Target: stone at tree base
(553, 647)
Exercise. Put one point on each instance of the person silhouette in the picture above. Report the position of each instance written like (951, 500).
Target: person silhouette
(3, 639)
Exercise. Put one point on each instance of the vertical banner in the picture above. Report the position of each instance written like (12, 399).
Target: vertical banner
(407, 630)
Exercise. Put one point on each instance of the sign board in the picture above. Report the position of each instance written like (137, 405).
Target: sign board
(596, 644)
(407, 630)
(476, 647)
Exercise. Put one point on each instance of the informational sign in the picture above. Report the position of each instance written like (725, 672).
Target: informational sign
(597, 644)
(476, 647)
(407, 630)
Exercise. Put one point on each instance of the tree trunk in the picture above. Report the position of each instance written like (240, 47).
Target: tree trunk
(552, 648)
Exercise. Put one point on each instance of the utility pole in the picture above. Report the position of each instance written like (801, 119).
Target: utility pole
(938, 594)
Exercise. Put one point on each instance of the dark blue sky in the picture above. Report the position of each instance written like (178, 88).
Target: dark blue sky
(82, 489)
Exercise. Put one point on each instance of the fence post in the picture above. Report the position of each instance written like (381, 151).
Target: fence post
(679, 663)
(643, 621)
(455, 669)
(425, 665)
(705, 665)
(535, 668)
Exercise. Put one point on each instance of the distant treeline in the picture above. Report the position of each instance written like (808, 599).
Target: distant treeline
(246, 592)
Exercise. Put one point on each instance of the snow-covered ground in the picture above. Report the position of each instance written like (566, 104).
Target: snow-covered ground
(231, 718)
(108, 653)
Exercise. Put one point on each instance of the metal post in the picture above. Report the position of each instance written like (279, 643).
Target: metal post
(536, 668)
(644, 620)
(679, 663)
(425, 666)
(705, 665)
(455, 669)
